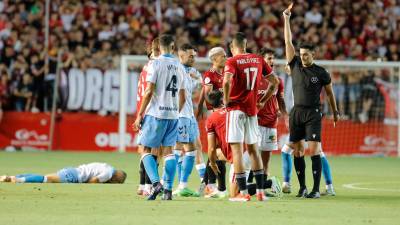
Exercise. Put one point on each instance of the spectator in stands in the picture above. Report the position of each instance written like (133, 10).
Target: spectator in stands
(23, 94)
(95, 33)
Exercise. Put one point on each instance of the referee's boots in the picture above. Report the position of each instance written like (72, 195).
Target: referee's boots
(314, 194)
(302, 192)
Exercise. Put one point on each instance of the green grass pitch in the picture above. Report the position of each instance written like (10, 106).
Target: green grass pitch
(372, 196)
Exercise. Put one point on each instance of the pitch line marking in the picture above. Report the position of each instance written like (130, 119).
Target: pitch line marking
(354, 186)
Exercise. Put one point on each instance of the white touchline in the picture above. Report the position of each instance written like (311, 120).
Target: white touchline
(354, 186)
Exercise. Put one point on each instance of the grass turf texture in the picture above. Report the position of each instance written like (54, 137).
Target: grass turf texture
(118, 204)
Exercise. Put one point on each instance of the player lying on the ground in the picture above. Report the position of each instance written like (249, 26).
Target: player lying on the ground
(85, 173)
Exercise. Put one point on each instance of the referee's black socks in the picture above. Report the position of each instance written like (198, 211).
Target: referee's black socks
(316, 171)
(300, 166)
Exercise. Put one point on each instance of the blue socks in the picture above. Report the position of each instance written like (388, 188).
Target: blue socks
(326, 169)
(286, 163)
(150, 165)
(169, 171)
(187, 166)
(30, 178)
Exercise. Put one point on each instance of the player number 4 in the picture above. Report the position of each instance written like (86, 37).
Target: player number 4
(172, 86)
(251, 75)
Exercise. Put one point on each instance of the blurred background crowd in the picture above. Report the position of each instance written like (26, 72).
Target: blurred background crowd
(93, 34)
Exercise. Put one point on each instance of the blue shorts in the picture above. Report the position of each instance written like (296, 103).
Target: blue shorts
(68, 175)
(188, 130)
(156, 132)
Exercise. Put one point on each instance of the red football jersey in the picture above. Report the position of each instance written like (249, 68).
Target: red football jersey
(142, 84)
(268, 115)
(216, 124)
(247, 70)
(212, 77)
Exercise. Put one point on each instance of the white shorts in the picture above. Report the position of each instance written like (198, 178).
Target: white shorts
(247, 168)
(268, 140)
(241, 128)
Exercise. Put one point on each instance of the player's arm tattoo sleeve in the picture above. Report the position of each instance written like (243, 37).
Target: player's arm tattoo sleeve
(281, 102)
(273, 86)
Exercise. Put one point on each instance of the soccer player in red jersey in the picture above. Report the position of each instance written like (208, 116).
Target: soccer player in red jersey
(268, 114)
(242, 76)
(153, 52)
(212, 80)
(215, 75)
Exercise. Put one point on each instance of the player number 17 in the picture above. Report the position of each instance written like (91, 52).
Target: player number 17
(251, 75)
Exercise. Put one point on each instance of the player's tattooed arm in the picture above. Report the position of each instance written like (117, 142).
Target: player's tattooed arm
(273, 86)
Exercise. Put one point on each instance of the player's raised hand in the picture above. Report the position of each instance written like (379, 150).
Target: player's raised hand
(287, 11)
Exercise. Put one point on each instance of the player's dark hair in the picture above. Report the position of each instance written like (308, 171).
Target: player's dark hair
(166, 40)
(239, 39)
(187, 46)
(308, 46)
(153, 45)
(215, 98)
(264, 51)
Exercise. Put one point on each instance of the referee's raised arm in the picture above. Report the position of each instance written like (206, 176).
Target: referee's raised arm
(290, 50)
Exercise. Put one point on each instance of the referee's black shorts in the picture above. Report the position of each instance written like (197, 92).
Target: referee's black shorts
(305, 123)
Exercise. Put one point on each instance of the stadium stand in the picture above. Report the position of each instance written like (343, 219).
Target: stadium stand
(93, 34)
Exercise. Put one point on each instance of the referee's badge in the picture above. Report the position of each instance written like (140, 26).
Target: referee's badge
(314, 80)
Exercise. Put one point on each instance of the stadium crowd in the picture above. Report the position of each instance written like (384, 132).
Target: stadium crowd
(93, 34)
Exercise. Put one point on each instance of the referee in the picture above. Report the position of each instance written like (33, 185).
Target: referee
(305, 117)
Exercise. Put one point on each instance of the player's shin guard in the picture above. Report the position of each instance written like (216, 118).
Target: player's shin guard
(259, 176)
(201, 170)
(241, 182)
(286, 163)
(178, 159)
(300, 166)
(221, 175)
(30, 178)
(316, 169)
(169, 171)
(187, 167)
(326, 169)
(150, 166)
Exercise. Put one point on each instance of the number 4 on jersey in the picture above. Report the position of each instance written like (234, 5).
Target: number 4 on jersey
(172, 86)
(251, 75)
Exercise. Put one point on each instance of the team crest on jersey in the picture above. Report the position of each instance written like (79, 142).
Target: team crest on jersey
(314, 80)
(207, 80)
(272, 137)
